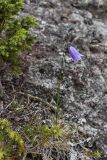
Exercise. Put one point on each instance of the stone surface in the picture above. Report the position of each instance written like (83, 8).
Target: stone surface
(84, 85)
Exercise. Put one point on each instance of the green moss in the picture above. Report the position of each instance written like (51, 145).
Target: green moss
(11, 144)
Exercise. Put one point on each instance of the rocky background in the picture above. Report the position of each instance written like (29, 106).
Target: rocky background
(63, 23)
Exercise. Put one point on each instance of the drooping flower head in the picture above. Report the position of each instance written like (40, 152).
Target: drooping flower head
(74, 54)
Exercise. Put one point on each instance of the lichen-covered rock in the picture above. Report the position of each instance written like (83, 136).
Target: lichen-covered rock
(86, 3)
(84, 85)
(80, 24)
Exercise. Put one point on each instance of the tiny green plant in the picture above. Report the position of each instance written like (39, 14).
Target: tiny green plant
(11, 144)
(14, 34)
(44, 140)
(93, 154)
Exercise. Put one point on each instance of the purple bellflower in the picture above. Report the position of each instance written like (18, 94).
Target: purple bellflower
(74, 54)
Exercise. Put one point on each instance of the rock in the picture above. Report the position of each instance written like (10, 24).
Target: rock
(28, 2)
(86, 3)
(83, 87)
(73, 155)
(80, 24)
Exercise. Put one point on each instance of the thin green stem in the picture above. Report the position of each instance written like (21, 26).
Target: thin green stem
(57, 103)
(58, 96)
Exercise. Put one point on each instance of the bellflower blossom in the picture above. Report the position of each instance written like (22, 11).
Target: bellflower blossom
(74, 54)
